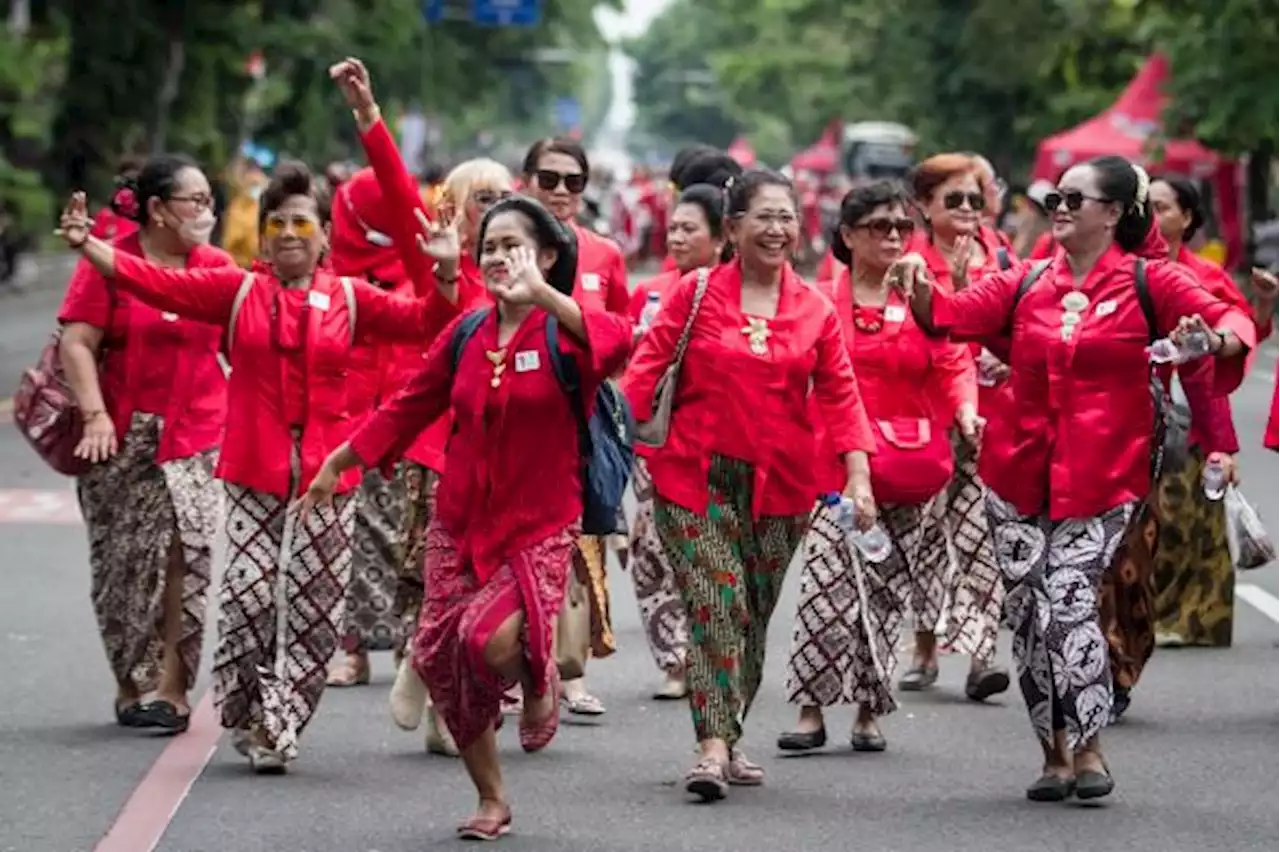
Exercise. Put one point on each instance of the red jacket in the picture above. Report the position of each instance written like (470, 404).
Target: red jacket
(274, 338)
(152, 361)
(602, 273)
(510, 475)
(755, 408)
(1077, 440)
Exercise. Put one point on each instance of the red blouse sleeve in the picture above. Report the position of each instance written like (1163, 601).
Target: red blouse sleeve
(400, 194)
(953, 376)
(394, 425)
(980, 311)
(382, 317)
(1177, 293)
(639, 297)
(88, 299)
(658, 347)
(616, 298)
(836, 391)
(199, 293)
(605, 350)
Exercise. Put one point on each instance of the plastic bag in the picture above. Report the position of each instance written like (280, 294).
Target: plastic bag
(1247, 539)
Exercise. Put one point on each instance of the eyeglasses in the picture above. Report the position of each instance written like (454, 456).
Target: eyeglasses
(303, 227)
(486, 198)
(549, 180)
(883, 227)
(201, 200)
(1073, 198)
(956, 200)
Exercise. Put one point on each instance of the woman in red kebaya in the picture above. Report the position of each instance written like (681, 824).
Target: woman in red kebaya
(501, 544)
(1068, 469)
(736, 478)
(844, 643)
(695, 239)
(555, 174)
(467, 193)
(289, 328)
(957, 579)
(154, 401)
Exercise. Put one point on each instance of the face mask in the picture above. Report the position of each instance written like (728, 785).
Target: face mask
(196, 232)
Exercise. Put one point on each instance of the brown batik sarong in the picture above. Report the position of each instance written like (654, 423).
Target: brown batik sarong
(420, 484)
(589, 563)
(132, 507)
(377, 557)
(1126, 600)
(247, 688)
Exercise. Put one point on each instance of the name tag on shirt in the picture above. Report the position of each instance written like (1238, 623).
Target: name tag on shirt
(591, 282)
(1104, 308)
(168, 317)
(895, 313)
(527, 361)
(318, 300)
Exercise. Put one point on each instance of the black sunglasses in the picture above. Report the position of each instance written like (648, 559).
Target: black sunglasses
(1073, 198)
(956, 200)
(549, 180)
(883, 227)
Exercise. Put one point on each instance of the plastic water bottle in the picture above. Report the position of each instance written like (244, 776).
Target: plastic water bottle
(1214, 479)
(874, 544)
(1165, 351)
(652, 303)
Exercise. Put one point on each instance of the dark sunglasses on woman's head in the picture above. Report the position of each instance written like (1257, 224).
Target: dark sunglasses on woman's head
(548, 180)
(883, 227)
(956, 200)
(1074, 199)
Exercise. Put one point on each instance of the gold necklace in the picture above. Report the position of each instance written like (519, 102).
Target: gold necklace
(498, 358)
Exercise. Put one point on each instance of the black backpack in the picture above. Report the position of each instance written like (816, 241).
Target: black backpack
(606, 439)
(1172, 420)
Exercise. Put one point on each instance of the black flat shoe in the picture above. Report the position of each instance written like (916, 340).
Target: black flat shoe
(980, 686)
(864, 741)
(130, 716)
(918, 678)
(1051, 788)
(165, 716)
(1094, 785)
(803, 740)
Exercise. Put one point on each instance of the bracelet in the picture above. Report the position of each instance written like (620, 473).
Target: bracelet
(435, 270)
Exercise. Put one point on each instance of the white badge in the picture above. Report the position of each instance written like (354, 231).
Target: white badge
(591, 282)
(527, 361)
(895, 313)
(1104, 308)
(168, 317)
(318, 300)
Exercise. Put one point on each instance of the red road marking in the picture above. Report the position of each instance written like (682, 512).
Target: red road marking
(146, 816)
(31, 506)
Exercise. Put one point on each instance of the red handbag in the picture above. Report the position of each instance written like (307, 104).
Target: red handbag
(912, 461)
(46, 413)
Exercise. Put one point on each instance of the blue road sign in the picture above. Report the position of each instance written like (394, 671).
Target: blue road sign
(568, 113)
(433, 11)
(506, 13)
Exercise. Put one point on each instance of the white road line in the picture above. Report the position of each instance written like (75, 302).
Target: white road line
(1260, 599)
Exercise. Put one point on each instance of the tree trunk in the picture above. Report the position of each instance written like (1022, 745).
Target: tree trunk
(169, 88)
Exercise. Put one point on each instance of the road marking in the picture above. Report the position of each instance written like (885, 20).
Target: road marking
(29, 506)
(146, 816)
(1260, 599)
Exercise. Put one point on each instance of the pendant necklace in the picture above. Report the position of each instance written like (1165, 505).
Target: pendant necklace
(1074, 304)
(498, 358)
(758, 334)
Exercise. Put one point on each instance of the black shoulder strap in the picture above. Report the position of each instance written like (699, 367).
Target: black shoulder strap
(566, 370)
(1003, 259)
(1144, 299)
(464, 332)
(1028, 281)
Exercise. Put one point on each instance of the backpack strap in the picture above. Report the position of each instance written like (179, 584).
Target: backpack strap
(236, 304)
(465, 330)
(1003, 260)
(1144, 299)
(349, 291)
(566, 370)
(1028, 281)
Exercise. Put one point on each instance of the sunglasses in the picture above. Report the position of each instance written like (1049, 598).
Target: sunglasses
(956, 200)
(303, 227)
(884, 227)
(549, 180)
(1073, 198)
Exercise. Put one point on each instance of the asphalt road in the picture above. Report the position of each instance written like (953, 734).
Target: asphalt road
(1192, 760)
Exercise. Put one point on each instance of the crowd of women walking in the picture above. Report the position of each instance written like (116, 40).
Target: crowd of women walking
(398, 399)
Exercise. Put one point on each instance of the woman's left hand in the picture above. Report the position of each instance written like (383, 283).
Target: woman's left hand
(525, 284)
(1230, 470)
(1195, 324)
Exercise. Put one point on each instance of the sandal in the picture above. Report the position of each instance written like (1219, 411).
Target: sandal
(352, 671)
(586, 705)
(535, 736)
(674, 688)
(485, 828)
(918, 678)
(164, 715)
(742, 772)
(130, 715)
(706, 780)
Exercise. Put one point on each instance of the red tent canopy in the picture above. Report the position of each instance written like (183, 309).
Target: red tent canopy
(1127, 129)
(822, 156)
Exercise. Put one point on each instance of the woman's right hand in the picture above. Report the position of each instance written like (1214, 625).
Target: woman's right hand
(98, 443)
(74, 224)
(907, 274)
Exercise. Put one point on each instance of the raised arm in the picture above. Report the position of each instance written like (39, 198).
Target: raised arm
(980, 311)
(384, 317)
(1182, 304)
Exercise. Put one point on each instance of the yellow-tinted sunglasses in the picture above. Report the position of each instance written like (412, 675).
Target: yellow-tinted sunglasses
(303, 227)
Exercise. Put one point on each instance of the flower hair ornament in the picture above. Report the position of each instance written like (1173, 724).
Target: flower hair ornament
(1144, 187)
(124, 201)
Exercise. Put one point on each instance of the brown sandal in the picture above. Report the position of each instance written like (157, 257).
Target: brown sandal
(352, 671)
(742, 772)
(706, 780)
(485, 828)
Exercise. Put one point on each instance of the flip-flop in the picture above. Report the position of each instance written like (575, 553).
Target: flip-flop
(485, 828)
